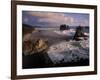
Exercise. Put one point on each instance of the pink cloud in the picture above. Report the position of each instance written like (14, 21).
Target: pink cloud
(52, 18)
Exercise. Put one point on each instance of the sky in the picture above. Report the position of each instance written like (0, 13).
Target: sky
(54, 19)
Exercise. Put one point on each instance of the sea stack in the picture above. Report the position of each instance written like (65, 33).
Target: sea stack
(79, 34)
(64, 27)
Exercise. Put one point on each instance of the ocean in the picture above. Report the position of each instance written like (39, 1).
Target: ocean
(85, 29)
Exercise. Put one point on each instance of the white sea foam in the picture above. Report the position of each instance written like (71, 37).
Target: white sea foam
(68, 51)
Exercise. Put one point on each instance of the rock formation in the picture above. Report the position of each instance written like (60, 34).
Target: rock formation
(64, 27)
(31, 46)
(79, 35)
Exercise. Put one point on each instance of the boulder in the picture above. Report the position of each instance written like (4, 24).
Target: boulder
(31, 46)
(41, 45)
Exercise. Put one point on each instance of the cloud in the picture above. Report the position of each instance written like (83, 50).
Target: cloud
(82, 22)
(52, 18)
(26, 19)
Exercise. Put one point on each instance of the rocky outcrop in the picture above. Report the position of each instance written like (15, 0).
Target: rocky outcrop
(31, 46)
(40, 46)
(27, 47)
(79, 35)
(64, 27)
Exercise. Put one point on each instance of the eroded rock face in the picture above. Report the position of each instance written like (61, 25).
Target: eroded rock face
(32, 46)
(41, 45)
(27, 47)
(79, 35)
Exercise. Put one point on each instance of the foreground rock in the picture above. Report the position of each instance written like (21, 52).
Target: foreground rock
(31, 47)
